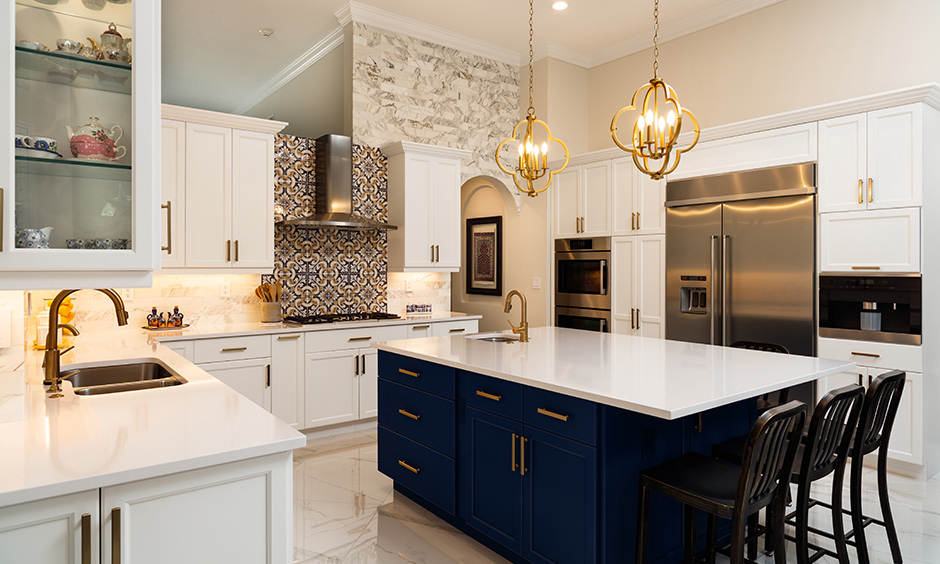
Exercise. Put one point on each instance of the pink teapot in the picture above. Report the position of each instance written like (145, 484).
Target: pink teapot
(93, 141)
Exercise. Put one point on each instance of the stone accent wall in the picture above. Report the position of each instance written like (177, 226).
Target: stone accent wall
(407, 89)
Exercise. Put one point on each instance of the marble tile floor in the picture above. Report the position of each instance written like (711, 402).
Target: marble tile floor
(345, 512)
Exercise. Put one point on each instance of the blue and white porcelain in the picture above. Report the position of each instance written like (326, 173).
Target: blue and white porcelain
(33, 238)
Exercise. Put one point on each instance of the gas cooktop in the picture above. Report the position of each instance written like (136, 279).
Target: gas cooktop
(339, 317)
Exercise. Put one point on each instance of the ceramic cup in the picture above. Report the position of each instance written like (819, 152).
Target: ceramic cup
(33, 238)
(95, 4)
(44, 143)
(35, 45)
(22, 141)
(69, 45)
(118, 244)
(75, 243)
(103, 243)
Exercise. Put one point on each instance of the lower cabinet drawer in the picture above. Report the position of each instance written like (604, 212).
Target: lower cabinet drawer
(563, 415)
(420, 416)
(231, 348)
(501, 397)
(422, 470)
(428, 376)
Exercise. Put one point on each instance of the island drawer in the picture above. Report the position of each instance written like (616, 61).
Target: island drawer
(563, 415)
(363, 337)
(501, 397)
(889, 356)
(428, 376)
(422, 470)
(420, 416)
(231, 348)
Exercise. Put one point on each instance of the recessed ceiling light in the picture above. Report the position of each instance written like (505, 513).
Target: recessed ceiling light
(266, 32)
(560, 5)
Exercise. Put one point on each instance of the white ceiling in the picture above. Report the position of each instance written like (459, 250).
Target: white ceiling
(214, 58)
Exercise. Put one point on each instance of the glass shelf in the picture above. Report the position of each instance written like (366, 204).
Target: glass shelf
(71, 168)
(72, 70)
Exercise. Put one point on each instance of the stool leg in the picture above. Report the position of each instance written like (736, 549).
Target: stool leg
(641, 523)
(838, 529)
(887, 517)
(778, 515)
(712, 537)
(689, 534)
(752, 534)
(802, 521)
(855, 485)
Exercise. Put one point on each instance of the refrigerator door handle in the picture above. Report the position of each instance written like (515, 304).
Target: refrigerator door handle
(724, 289)
(711, 292)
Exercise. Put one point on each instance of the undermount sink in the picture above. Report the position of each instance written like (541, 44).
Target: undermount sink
(94, 380)
(495, 337)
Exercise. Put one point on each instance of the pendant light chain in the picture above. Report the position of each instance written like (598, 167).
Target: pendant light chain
(656, 39)
(531, 111)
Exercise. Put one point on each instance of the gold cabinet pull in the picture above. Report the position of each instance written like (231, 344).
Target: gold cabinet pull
(235, 349)
(514, 466)
(116, 535)
(871, 184)
(287, 337)
(869, 355)
(236, 250)
(411, 415)
(432, 253)
(483, 394)
(267, 380)
(228, 251)
(408, 372)
(632, 324)
(86, 538)
(861, 188)
(417, 327)
(356, 364)
(354, 339)
(632, 221)
(168, 206)
(461, 330)
(522, 442)
(866, 268)
(552, 414)
(408, 466)
(637, 221)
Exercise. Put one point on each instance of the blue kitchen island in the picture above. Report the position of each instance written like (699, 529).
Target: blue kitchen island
(535, 449)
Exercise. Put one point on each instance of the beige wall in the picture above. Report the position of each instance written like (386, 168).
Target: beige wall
(791, 55)
(524, 254)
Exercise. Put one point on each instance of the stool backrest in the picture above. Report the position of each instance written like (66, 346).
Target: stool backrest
(768, 455)
(878, 412)
(830, 431)
(758, 346)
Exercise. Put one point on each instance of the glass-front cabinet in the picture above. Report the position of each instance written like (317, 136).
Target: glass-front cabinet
(79, 168)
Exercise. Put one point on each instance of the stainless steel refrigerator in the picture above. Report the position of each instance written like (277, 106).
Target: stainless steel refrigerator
(741, 258)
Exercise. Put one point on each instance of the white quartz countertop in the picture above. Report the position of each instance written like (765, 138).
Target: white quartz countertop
(50, 447)
(667, 379)
(204, 331)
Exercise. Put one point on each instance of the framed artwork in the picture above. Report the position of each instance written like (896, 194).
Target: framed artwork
(485, 256)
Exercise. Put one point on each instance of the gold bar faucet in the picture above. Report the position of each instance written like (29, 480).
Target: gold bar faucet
(523, 329)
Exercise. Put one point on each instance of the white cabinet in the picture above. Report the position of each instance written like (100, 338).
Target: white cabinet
(582, 201)
(218, 191)
(340, 375)
(424, 203)
(175, 518)
(638, 283)
(101, 212)
(420, 330)
(58, 530)
(182, 348)
(638, 202)
(287, 378)
(875, 240)
(873, 359)
(463, 327)
(241, 363)
(873, 160)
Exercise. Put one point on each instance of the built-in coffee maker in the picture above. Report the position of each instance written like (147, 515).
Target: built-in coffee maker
(872, 307)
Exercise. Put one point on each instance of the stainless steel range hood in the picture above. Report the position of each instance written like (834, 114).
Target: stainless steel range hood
(334, 183)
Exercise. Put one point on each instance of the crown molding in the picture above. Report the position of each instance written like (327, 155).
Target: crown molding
(299, 65)
(679, 28)
(549, 50)
(390, 21)
(207, 117)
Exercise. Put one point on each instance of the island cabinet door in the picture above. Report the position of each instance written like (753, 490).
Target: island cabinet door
(559, 509)
(58, 530)
(490, 477)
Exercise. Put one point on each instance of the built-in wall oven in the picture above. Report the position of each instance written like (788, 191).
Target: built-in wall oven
(872, 307)
(582, 283)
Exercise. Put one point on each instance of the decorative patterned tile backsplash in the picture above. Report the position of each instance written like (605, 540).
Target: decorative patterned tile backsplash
(327, 270)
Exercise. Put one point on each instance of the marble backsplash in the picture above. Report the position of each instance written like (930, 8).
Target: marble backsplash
(418, 288)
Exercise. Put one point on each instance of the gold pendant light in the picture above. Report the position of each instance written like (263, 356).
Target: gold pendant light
(532, 166)
(659, 122)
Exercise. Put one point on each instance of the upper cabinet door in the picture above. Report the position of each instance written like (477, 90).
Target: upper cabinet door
(419, 211)
(173, 199)
(78, 214)
(623, 183)
(650, 198)
(446, 207)
(565, 187)
(595, 199)
(895, 157)
(623, 279)
(209, 172)
(252, 199)
(843, 158)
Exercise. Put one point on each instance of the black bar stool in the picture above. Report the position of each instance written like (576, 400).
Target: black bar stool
(727, 491)
(873, 433)
(825, 451)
